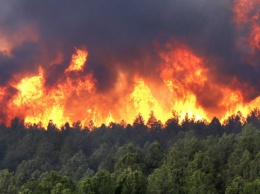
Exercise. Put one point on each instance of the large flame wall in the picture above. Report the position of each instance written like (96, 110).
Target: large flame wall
(199, 63)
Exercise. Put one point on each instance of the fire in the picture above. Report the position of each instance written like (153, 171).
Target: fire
(30, 89)
(183, 72)
(242, 10)
(38, 104)
(78, 60)
(247, 14)
(144, 102)
(109, 119)
(33, 101)
(234, 103)
(183, 75)
(182, 79)
(254, 38)
(77, 99)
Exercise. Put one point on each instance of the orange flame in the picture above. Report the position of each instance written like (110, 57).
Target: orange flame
(37, 103)
(247, 13)
(78, 60)
(144, 102)
(183, 76)
(183, 72)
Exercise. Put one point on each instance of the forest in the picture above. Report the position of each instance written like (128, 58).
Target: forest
(186, 156)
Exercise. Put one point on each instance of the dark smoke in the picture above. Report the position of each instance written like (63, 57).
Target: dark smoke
(123, 33)
(25, 59)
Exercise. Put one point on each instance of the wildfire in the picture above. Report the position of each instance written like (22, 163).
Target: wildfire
(182, 84)
(182, 72)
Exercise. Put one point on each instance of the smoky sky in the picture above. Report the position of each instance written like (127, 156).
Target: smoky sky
(119, 33)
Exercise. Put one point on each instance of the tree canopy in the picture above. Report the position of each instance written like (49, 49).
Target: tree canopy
(177, 157)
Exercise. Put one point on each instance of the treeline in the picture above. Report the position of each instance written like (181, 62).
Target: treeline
(178, 157)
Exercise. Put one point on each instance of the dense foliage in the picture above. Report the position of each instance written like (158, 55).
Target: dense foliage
(178, 157)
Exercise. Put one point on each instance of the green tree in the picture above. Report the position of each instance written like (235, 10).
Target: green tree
(248, 139)
(99, 155)
(236, 186)
(255, 168)
(214, 127)
(161, 182)
(153, 156)
(75, 166)
(254, 118)
(252, 187)
(53, 182)
(200, 175)
(29, 169)
(84, 186)
(7, 182)
(196, 183)
(128, 156)
(131, 182)
(32, 187)
(103, 183)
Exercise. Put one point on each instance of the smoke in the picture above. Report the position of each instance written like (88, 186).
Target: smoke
(123, 34)
(24, 60)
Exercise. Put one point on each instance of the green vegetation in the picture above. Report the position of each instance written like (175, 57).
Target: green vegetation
(187, 157)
